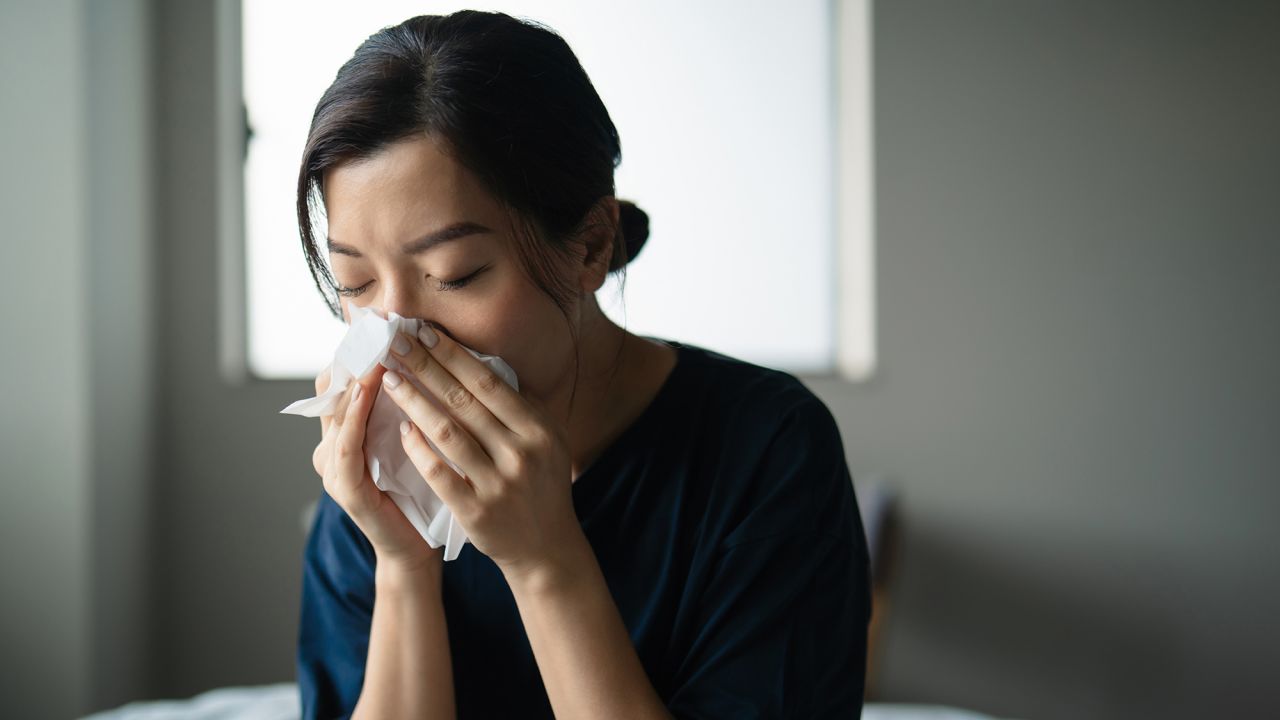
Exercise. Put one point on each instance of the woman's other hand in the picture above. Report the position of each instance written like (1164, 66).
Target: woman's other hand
(339, 459)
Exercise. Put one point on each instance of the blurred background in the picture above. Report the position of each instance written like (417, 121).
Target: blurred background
(1052, 328)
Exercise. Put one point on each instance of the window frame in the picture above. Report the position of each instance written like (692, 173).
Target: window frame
(850, 124)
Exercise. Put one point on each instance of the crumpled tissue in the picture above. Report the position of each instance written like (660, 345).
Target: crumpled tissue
(366, 344)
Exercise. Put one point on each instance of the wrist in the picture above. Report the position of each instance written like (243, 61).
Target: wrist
(425, 570)
(573, 561)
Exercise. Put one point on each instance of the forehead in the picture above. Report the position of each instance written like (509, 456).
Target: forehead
(403, 189)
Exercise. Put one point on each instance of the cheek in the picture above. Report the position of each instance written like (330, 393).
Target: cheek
(506, 321)
(532, 336)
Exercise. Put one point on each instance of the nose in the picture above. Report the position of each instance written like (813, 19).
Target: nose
(400, 298)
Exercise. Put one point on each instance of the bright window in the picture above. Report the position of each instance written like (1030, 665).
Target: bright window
(726, 115)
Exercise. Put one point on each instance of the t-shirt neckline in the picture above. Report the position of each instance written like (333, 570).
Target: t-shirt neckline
(641, 424)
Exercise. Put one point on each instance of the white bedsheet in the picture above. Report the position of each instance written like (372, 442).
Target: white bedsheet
(281, 702)
(259, 702)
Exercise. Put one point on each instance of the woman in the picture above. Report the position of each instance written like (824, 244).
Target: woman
(657, 530)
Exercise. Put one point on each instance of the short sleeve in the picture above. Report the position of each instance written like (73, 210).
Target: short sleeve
(782, 620)
(336, 613)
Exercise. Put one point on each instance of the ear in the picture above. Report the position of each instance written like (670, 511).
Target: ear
(597, 239)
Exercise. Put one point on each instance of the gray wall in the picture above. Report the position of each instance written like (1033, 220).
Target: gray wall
(1079, 291)
(1078, 210)
(233, 473)
(76, 364)
(44, 433)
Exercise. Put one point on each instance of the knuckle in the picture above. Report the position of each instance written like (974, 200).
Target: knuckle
(520, 458)
(418, 363)
(317, 460)
(443, 431)
(438, 471)
(489, 382)
(344, 451)
(503, 492)
(540, 439)
(457, 398)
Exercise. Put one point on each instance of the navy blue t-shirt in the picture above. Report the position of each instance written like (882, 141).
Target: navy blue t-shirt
(725, 523)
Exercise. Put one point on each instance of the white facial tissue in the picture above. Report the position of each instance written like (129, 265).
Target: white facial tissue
(367, 343)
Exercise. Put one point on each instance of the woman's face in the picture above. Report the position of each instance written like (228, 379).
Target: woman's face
(409, 224)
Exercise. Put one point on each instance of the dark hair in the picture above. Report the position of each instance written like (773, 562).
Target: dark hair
(510, 102)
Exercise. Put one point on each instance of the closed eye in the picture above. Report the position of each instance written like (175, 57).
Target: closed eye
(460, 282)
(443, 285)
(353, 292)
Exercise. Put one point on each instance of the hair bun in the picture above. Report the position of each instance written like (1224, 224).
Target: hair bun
(634, 228)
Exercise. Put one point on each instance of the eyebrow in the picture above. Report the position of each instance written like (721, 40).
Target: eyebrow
(422, 244)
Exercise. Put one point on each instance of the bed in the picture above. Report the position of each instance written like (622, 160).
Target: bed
(281, 702)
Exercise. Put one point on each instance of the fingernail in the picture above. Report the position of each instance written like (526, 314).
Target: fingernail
(400, 345)
(428, 336)
(391, 379)
(404, 427)
(355, 394)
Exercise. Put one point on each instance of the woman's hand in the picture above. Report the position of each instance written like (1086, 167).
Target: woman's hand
(515, 501)
(339, 459)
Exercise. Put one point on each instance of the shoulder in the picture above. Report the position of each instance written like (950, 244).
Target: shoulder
(751, 397)
(780, 465)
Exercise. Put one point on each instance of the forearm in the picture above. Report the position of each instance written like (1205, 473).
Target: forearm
(408, 672)
(585, 656)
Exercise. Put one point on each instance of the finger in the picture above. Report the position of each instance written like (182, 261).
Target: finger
(344, 402)
(324, 450)
(506, 404)
(346, 466)
(456, 491)
(457, 398)
(368, 382)
(323, 379)
(454, 441)
(320, 456)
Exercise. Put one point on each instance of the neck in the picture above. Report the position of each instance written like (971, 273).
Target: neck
(604, 351)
